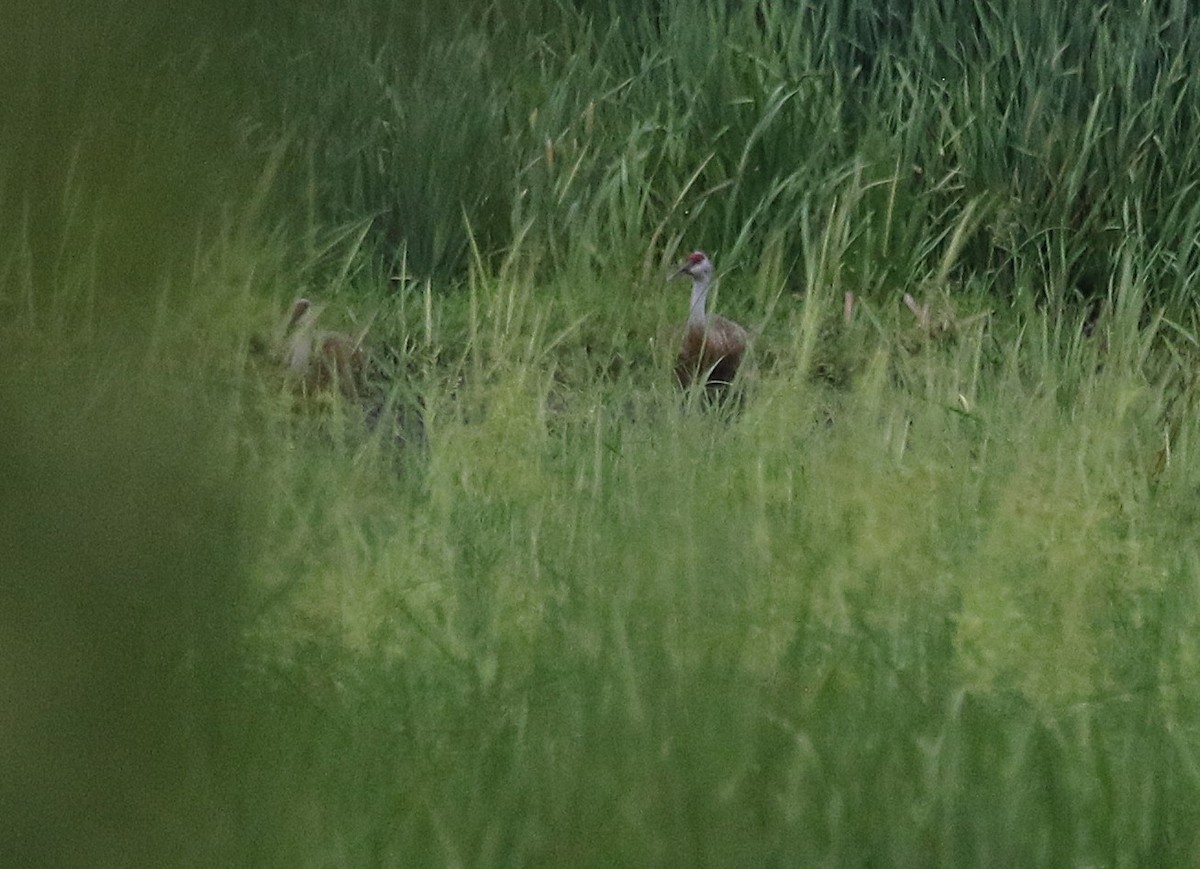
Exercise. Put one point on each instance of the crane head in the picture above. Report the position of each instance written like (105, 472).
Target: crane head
(697, 265)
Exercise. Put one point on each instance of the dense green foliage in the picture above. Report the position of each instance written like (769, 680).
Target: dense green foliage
(927, 593)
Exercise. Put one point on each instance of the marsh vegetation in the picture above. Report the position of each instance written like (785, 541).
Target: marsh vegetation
(927, 593)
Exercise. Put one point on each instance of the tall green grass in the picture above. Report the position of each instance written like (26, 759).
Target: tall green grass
(606, 134)
(926, 594)
(941, 616)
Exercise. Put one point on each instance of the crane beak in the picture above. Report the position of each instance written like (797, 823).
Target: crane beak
(682, 270)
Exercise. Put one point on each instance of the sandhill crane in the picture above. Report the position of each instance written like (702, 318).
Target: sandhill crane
(713, 345)
(316, 361)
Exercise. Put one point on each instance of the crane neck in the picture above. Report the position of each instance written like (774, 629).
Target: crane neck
(697, 315)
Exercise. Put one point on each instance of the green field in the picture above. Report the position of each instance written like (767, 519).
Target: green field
(926, 593)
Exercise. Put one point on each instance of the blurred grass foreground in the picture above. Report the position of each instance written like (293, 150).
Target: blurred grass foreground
(924, 594)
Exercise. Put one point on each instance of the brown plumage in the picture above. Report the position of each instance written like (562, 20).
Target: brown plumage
(318, 361)
(713, 345)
